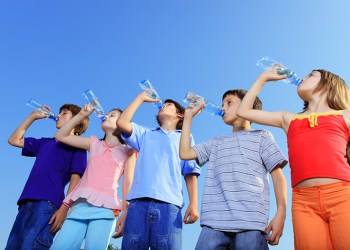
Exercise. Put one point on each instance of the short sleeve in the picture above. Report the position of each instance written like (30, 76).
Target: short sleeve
(270, 152)
(136, 137)
(203, 151)
(190, 167)
(79, 162)
(31, 146)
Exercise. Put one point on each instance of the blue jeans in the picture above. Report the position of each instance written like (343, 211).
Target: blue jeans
(211, 239)
(31, 229)
(154, 224)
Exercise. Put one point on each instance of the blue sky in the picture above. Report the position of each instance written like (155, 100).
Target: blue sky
(54, 50)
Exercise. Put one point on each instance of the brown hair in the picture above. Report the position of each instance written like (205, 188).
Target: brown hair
(338, 95)
(116, 131)
(240, 93)
(179, 110)
(82, 126)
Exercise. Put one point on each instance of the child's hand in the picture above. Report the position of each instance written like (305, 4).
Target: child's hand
(87, 110)
(191, 215)
(271, 75)
(119, 228)
(38, 115)
(145, 98)
(58, 218)
(276, 226)
(193, 111)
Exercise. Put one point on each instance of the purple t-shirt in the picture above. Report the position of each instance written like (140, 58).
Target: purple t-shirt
(55, 163)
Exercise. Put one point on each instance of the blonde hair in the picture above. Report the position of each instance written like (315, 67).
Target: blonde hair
(338, 95)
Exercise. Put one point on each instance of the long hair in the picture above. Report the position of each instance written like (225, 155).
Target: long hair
(338, 95)
(82, 126)
(116, 131)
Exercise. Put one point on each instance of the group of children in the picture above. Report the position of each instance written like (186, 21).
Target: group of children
(235, 202)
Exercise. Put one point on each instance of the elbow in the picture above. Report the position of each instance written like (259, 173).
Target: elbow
(11, 141)
(239, 112)
(183, 155)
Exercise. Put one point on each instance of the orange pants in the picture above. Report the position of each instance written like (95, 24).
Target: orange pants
(321, 217)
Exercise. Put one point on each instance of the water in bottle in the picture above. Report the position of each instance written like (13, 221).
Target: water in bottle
(94, 103)
(151, 92)
(42, 109)
(266, 62)
(209, 107)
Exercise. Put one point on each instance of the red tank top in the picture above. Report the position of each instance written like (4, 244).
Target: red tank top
(317, 147)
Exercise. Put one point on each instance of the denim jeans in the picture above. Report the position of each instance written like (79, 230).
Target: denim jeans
(211, 239)
(154, 224)
(31, 229)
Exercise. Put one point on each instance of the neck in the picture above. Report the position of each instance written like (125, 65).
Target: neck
(317, 105)
(240, 125)
(112, 140)
(169, 125)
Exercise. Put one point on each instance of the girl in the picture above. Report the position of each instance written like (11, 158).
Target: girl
(95, 198)
(317, 147)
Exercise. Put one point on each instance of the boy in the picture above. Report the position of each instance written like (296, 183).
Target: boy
(154, 215)
(235, 205)
(41, 212)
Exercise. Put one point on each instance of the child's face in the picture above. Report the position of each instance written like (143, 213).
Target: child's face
(111, 120)
(168, 109)
(308, 84)
(63, 117)
(230, 105)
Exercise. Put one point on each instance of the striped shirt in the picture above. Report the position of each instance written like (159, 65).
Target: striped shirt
(236, 191)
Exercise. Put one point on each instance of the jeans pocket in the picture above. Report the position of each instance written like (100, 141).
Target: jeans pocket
(44, 239)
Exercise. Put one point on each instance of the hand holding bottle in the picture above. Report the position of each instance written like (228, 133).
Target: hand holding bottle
(41, 109)
(209, 107)
(94, 104)
(152, 93)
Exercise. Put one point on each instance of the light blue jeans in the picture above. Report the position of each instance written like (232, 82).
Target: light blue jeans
(31, 229)
(211, 239)
(154, 224)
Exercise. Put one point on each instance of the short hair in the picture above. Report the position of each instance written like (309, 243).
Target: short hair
(116, 132)
(82, 126)
(179, 110)
(240, 93)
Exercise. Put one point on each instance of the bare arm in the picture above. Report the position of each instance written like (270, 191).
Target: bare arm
(246, 111)
(127, 182)
(60, 215)
(277, 223)
(124, 120)
(191, 214)
(64, 134)
(186, 152)
(17, 137)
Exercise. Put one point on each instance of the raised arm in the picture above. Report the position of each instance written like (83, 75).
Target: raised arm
(124, 120)
(186, 152)
(277, 223)
(246, 111)
(65, 133)
(17, 137)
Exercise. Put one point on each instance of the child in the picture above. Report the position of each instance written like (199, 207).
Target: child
(317, 147)
(235, 204)
(154, 214)
(95, 198)
(41, 212)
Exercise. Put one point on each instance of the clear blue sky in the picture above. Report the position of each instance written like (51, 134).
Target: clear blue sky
(54, 50)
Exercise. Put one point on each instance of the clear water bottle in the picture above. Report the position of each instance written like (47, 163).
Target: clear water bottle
(266, 62)
(94, 103)
(42, 109)
(151, 92)
(209, 107)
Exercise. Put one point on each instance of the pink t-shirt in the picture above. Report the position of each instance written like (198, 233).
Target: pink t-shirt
(99, 184)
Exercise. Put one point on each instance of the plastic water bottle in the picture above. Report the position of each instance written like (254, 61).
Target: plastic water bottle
(209, 107)
(42, 109)
(94, 103)
(266, 62)
(151, 92)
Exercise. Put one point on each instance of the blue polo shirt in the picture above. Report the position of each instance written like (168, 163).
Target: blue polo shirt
(54, 164)
(159, 169)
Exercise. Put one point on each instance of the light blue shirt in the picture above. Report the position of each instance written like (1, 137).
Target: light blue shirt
(159, 169)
